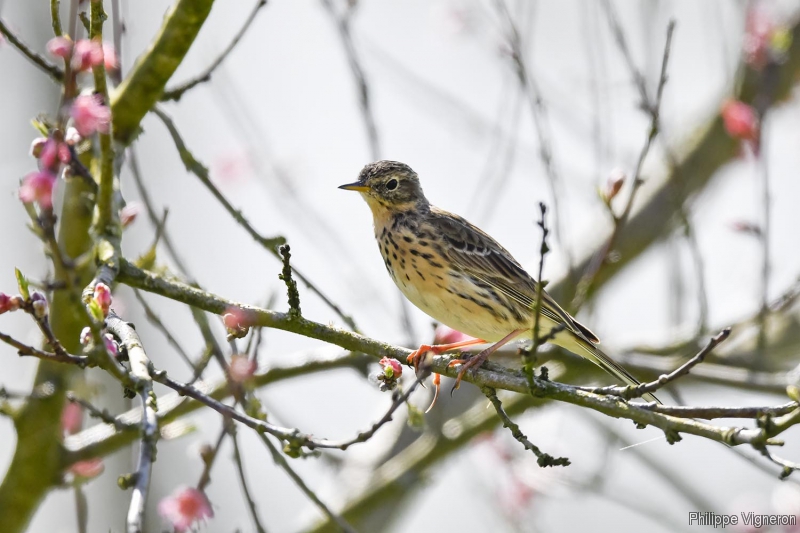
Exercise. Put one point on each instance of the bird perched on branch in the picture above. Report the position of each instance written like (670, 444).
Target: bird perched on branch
(461, 276)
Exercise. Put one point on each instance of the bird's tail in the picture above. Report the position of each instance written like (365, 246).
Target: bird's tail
(595, 355)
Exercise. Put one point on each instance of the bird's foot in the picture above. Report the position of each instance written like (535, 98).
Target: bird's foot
(417, 359)
(474, 361)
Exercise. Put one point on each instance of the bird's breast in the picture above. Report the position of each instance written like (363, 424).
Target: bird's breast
(416, 260)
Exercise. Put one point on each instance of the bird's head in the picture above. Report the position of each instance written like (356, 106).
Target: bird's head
(388, 185)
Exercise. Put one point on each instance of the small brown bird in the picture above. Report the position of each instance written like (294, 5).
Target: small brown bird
(461, 276)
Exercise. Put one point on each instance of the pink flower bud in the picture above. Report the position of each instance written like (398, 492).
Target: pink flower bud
(236, 318)
(447, 335)
(391, 367)
(37, 146)
(741, 226)
(15, 303)
(86, 336)
(48, 157)
(86, 54)
(128, 214)
(72, 137)
(241, 368)
(60, 47)
(64, 154)
(184, 507)
(740, 120)
(39, 304)
(110, 57)
(111, 345)
(614, 183)
(102, 295)
(71, 418)
(38, 187)
(89, 469)
(90, 115)
(5, 300)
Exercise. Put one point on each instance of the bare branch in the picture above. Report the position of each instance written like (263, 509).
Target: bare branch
(638, 391)
(543, 459)
(177, 92)
(56, 73)
(140, 369)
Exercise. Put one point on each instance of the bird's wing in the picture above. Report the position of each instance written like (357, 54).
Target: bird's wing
(479, 255)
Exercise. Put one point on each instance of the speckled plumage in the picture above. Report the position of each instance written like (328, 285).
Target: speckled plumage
(458, 274)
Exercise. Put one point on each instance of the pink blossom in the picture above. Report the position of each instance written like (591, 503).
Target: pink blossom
(740, 120)
(60, 47)
(110, 56)
(236, 318)
(758, 32)
(111, 345)
(128, 214)
(37, 146)
(87, 54)
(90, 115)
(72, 137)
(614, 183)
(50, 153)
(71, 418)
(391, 367)
(184, 507)
(241, 368)
(38, 187)
(5, 302)
(741, 226)
(39, 304)
(447, 335)
(102, 295)
(89, 469)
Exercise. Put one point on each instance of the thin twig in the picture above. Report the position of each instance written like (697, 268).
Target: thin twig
(210, 458)
(251, 504)
(709, 413)
(281, 461)
(156, 321)
(543, 459)
(652, 106)
(343, 26)
(291, 284)
(269, 244)
(638, 391)
(294, 439)
(538, 109)
(56, 73)
(59, 357)
(101, 414)
(177, 92)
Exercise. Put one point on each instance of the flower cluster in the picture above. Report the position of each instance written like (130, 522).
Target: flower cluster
(391, 370)
(765, 42)
(84, 54)
(102, 296)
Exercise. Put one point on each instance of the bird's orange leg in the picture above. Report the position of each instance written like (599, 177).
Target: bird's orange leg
(416, 356)
(478, 359)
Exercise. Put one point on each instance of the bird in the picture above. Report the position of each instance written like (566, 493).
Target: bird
(462, 277)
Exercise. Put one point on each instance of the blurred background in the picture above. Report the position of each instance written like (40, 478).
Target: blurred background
(281, 125)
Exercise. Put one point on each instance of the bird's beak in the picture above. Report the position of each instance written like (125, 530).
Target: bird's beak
(354, 187)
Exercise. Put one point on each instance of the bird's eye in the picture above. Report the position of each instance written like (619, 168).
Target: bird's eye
(391, 184)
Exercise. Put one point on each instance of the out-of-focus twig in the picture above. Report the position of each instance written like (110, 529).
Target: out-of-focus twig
(56, 73)
(177, 92)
